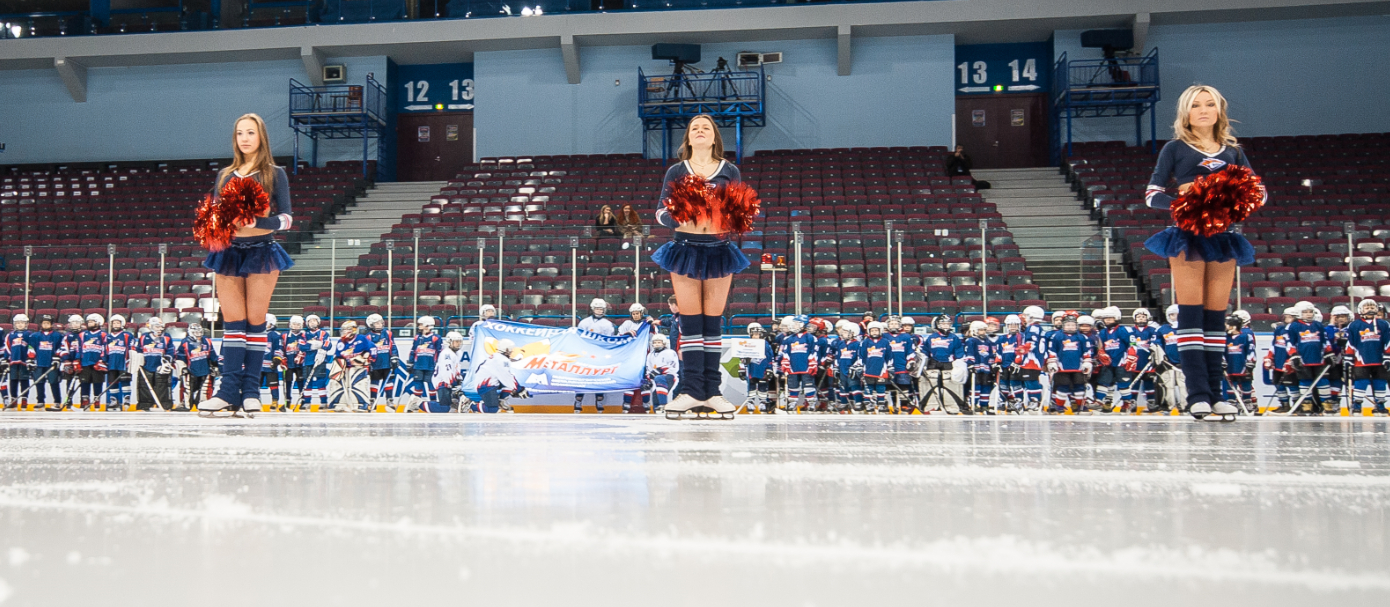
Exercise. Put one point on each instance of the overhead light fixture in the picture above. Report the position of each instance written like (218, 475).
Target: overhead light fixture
(16, 30)
(538, 11)
(526, 12)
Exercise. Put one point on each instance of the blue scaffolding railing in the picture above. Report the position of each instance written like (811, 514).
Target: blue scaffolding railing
(1103, 88)
(733, 99)
(342, 111)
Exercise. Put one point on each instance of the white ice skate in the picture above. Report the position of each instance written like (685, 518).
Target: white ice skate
(214, 407)
(249, 408)
(1200, 410)
(1223, 412)
(717, 407)
(681, 405)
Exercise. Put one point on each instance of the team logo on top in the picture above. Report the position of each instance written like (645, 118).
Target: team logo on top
(1213, 164)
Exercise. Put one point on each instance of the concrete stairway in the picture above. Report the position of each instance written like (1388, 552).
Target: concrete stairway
(1059, 239)
(350, 235)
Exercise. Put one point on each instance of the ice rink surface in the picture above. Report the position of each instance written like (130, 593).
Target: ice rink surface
(318, 509)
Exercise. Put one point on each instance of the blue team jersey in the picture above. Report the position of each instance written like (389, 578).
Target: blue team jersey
(1035, 347)
(757, 369)
(875, 354)
(383, 349)
(846, 354)
(1007, 348)
(1308, 341)
(17, 348)
(1142, 339)
(47, 347)
(1240, 352)
(294, 346)
(944, 347)
(903, 350)
(1114, 341)
(155, 349)
(91, 348)
(424, 351)
(1367, 342)
(314, 341)
(198, 354)
(797, 356)
(980, 354)
(359, 344)
(274, 347)
(1069, 351)
(1166, 337)
(118, 346)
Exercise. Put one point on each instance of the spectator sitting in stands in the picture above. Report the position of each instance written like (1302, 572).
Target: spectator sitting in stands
(958, 165)
(630, 222)
(606, 223)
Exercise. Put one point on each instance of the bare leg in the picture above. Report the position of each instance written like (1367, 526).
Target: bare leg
(231, 297)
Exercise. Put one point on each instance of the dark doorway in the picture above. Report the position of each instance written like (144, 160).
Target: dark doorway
(433, 147)
(1003, 131)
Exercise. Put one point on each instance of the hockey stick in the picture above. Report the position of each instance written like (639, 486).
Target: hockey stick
(1235, 391)
(149, 385)
(308, 379)
(1303, 395)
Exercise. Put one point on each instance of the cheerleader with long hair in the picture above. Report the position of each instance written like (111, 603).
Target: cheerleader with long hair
(249, 264)
(1216, 189)
(704, 201)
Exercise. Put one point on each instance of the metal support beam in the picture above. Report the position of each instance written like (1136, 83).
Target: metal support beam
(570, 51)
(846, 61)
(1141, 31)
(74, 76)
(313, 64)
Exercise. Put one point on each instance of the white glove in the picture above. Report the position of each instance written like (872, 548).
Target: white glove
(960, 372)
(1086, 368)
(1053, 367)
(137, 359)
(179, 366)
(320, 357)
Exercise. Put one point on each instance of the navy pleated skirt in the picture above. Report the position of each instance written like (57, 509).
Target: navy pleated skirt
(700, 256)
(247, 256)
(1225, 246)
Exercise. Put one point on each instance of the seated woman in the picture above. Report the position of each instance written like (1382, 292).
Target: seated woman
(629, 221)
(606, 225)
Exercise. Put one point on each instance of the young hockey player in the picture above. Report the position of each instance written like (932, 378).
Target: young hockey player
(1114, 343)
(636, 315)
(1337, 336)
(1010, 373)
(1069, 360)
(1309, 356)
(495, 381)
(756, 371)
(1086, 325)
(424, 351)
(1167, 361)
(90, 359)
(1276, 360)
(271, 364)
(1368, 343)
(1138, 362)
(195, 359)
(21, 361)
(294, 345)
(944, 370)
(1033, 351)
(798, 360)
(70, 353)
(983, 358)
(848, 368)
(903, 350)
(385, 358)
(119, 343)
(663, 367)
(47, 344)
(448, 374)
(315, 352)
(825, 371)
(1239, 383)
(352, 360)
(877, 368)
(152, 375)
(598, 323)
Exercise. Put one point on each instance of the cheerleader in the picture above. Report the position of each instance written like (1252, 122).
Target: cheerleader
(1203, 266)
(248, 270)
(702, 259)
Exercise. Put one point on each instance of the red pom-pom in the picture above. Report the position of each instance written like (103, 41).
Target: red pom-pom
(1218, 201)
(738, 204)
(240, 201)
(689, 199)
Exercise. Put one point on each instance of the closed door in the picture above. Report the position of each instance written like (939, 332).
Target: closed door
(1003, 131)
(433, 147)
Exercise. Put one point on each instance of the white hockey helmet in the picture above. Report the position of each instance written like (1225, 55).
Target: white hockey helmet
(1303, 305)
(1341, 311)
(296, 322)
(1144, 311)
(1291, 312)
(117, 318)
(636, 308)
(1086, 320)
(598, 303)
(1244, 316)
(1012, 319)
(1374, 307)
(1033, 313)
(453, 336)
(894, 323)
(505, 346)
(1317, 315)
(74, 319)
(487, 308)
(18, 318)
(96, 318)
(155, 324)
(877, 325)
(909, 322)
(1171, 313)
(427, 321)
(1098, 313)
(753, 326)
(977, 326)
(373, 320)
(659, 342)
(312, 319)
(271, 321)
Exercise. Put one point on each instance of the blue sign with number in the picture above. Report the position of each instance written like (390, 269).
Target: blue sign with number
(439, 87)
(1024, 67)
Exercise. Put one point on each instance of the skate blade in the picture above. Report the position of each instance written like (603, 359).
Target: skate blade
(216, 413)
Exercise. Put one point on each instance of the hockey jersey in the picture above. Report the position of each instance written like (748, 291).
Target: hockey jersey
(17, 347)
(1034, 347)
(155, 348)
(315, 340)
(756, 368)
(798, 354)
(1140, 340)
(198, 354)
(423, 351)
(294, 345)
(1007, 347)
(1240, 353)
(943, 347)
(274, 347)
(1114, 341)
(449, 370)
(1068, 351)
(349, 348)
(846, 354)
(629, 327)
(118, 346)
(383, 349)
(1167, 336)
(597, 324)
(1308, 341)
(875, 354)
(824, 345)
(666, 362)
(46, 346)
(495, 370)
(903, 351)
(980, 354)
(1367, 342)
(91, 348)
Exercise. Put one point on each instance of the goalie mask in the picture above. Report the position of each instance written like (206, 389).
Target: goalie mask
(155, 326)
(348, 329)
(195, 330)
(1069, 324)
(943, 324)
(895, 324)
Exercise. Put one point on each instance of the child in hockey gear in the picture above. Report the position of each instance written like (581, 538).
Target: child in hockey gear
(596, 322)
(90, 359)
(1069, 360)
(1010, 372)
(1368, 343)
(273, 362)
(70, 354)
(983, 358)
(47, 345)
(495, 381)
(119, 343)
(903, 351)
(663, 367)
(1138, 364)
(825, 372)
(1310, 355)
(151, 378)
(875, 367)
(944, 370)
(424, 351)
(1086, 325)
(195, 360)
(798, 360)
(385, 358)
(848, 368)
(636, 315)
(315, 350)
(247, 262)
(1276, 360)
(1337, 336)
(485, 313)
(20, 355)
(352, 359)
(448, 374)
(1167, 360)
(1114, 344)
(1033, 352)
(1239, 384)
(756, 371)
(295, 346)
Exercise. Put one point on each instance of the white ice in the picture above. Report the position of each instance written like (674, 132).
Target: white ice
(317, 509)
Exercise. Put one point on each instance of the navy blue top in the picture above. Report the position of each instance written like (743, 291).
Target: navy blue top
(727, 173)
(280, 214)
(1183, 163)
